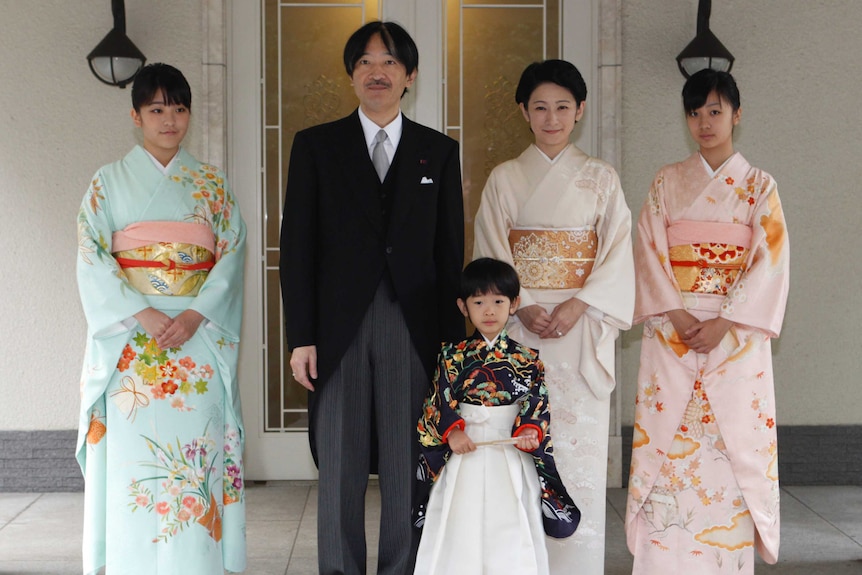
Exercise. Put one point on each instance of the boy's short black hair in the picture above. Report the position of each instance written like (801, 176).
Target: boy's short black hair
(394, 37)
(157, 78)
(559, 72)
(697, 89)
(487, 275)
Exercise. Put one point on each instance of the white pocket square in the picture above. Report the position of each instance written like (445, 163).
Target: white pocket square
(426, 180)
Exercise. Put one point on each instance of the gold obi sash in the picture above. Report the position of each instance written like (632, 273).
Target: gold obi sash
(553, 258)
(707, 267)
(178, 266)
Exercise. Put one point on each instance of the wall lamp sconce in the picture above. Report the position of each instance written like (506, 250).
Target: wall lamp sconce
(116, 60)
(705, 51)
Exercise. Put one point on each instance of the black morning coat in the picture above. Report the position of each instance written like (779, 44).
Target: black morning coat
(340, 239)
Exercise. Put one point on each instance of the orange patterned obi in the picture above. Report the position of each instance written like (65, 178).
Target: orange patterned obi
(178, 267)
(703, 266)
(553, 258)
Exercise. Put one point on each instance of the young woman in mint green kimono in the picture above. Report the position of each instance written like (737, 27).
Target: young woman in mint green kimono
(160, 274)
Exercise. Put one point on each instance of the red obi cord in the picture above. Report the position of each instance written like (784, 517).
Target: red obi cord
(129, 263)
(705, 264)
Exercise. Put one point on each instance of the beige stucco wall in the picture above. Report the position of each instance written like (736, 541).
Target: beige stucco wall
(58, 125)
(799, 72)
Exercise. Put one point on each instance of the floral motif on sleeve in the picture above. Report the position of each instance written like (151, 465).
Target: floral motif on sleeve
(233, 477)
(90, 240)
(215, 203)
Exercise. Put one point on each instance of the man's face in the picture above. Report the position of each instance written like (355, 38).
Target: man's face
(379, 80)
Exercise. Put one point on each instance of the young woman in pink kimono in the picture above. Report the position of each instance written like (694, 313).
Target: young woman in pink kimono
(560, 218)
(712, 282)
(160, 273)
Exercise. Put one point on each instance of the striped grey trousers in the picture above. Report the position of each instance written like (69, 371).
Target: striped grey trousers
(379, 382)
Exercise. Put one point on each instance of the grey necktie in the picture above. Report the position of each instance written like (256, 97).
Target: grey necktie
(378, 155)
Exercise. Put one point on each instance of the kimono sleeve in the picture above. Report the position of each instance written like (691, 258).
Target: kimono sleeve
(109, 301)
(657, 291)
(437, 419)
(560, 514)
(220, 298)
(439, 415)
(610, 286)
(495, 218)
(758, 296)
(534, 412)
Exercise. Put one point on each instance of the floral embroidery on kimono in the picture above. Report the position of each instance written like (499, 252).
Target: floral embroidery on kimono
(160, 437)
(703, 491)
(569, 195)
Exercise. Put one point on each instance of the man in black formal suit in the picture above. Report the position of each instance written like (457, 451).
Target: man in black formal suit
(371, 253)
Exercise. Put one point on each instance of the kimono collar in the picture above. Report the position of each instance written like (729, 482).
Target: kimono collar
(163, 169)
(500, 342)
(557, 157)
(709, 169)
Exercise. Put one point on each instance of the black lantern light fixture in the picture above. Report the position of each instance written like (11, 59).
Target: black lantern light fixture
(705, 51)
(116, 60)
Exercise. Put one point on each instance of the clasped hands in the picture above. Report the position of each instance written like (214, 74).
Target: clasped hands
(555, 324)
(460, 442)
(169, 332)
(700, 336)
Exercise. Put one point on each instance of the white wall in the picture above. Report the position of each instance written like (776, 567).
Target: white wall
(798, 69)
(58, 125)
(799, 73)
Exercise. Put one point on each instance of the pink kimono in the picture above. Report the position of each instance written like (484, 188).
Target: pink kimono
(703, 490)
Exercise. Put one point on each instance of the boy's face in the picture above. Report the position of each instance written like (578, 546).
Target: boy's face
(488, 312)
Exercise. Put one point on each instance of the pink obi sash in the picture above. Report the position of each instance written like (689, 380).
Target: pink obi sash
(706, 257)
(553, 258)
(165, 258)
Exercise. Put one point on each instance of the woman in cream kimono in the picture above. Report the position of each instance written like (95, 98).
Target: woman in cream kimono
(712, 282)
(160, 273)
(560, 218)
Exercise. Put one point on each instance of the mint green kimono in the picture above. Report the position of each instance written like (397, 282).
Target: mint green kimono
(160, 438)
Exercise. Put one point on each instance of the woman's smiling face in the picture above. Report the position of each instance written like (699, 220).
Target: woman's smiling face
(552, 112)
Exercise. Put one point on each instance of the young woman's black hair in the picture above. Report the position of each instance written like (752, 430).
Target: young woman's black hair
(698, 87)
(155, 79)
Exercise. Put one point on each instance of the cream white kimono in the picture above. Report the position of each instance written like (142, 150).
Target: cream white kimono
(572, 193)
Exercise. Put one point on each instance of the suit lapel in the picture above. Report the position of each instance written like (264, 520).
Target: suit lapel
(408, 156)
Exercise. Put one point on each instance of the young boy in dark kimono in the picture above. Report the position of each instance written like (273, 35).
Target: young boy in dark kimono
(486, 446)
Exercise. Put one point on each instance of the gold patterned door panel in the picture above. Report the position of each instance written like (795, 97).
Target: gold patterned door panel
(304, 84)
(488, 45)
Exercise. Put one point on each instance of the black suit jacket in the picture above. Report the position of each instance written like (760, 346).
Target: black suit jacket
(336, 244)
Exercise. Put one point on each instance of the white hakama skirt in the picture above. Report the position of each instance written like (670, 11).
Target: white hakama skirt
(484, 512)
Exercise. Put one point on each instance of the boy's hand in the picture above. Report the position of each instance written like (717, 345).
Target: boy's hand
(460, 442)
(528, 440)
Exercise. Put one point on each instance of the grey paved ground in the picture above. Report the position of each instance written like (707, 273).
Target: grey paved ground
(40, 532)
